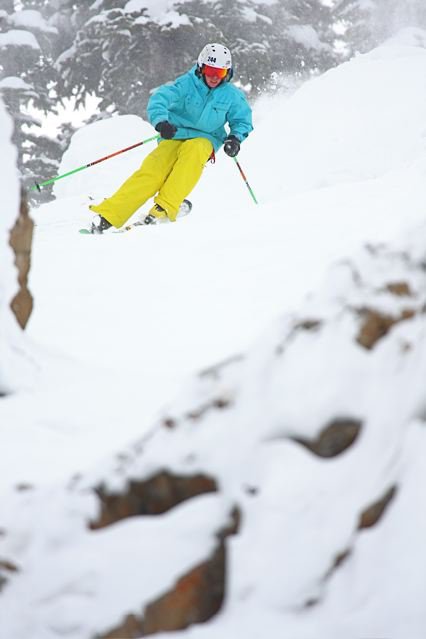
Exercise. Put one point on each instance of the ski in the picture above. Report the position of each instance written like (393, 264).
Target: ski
(184, 209)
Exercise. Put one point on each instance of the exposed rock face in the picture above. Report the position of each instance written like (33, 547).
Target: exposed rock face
(373, 513)
(376, 325)
(152, 496)
(195, 598)
(6, 568)
(334, 438)
(20, 241)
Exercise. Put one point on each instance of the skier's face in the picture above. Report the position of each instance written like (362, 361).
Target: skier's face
(213, 76)
(212, 81)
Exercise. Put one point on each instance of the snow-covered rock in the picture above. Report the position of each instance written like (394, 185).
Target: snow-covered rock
(314, 437)
(14, 369)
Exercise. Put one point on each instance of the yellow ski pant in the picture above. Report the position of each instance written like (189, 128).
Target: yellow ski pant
(171, 170)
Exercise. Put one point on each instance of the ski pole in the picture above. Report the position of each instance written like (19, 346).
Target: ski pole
(38, 185)
(245, 180)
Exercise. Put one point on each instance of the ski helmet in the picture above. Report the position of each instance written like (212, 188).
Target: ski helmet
(215, 55)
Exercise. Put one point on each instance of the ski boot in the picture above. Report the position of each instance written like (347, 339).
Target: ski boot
(99, 225)
(159, 214)
(156, 213)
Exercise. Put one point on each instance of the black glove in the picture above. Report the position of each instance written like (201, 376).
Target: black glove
(166, 130)
(231, 146)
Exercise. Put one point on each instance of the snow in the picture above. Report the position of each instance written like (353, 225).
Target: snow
(173, 20)
(342, 147)
(251, 16)
(96, 592)
(30, 19)
(155, 8)
(97, 141)
(18, 38)
(162, 11)
(306, 35)
(14, 83)
(124, 323)
(409, 37)
(165, 14)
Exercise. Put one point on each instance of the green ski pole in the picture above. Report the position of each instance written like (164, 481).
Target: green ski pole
(245, 180)
(38, 185)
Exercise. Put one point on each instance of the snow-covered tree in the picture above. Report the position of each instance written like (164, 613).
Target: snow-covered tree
(111, 56)
(26, 76)
(121, 53)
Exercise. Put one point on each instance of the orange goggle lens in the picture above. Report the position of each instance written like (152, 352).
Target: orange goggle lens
(214, 72)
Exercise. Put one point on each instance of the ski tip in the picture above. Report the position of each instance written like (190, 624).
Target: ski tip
(85, 232)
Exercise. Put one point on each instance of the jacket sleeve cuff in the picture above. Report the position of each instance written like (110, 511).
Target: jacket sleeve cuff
(157, 121)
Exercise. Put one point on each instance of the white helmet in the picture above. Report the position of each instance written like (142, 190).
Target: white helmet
(215, 55)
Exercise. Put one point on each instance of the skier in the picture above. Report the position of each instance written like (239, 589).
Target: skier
(190, 115)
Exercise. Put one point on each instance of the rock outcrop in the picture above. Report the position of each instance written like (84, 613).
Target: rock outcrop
(153, 496)
(20, 241)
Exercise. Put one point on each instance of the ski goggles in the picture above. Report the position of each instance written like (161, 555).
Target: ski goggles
(214, 72)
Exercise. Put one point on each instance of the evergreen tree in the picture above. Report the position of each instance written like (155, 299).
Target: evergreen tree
(26, 78)
(122, 56)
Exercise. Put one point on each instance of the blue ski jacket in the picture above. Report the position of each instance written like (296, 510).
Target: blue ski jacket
(198, 111)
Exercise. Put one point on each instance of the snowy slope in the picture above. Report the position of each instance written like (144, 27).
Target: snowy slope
(205, 287)
(121, 322)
